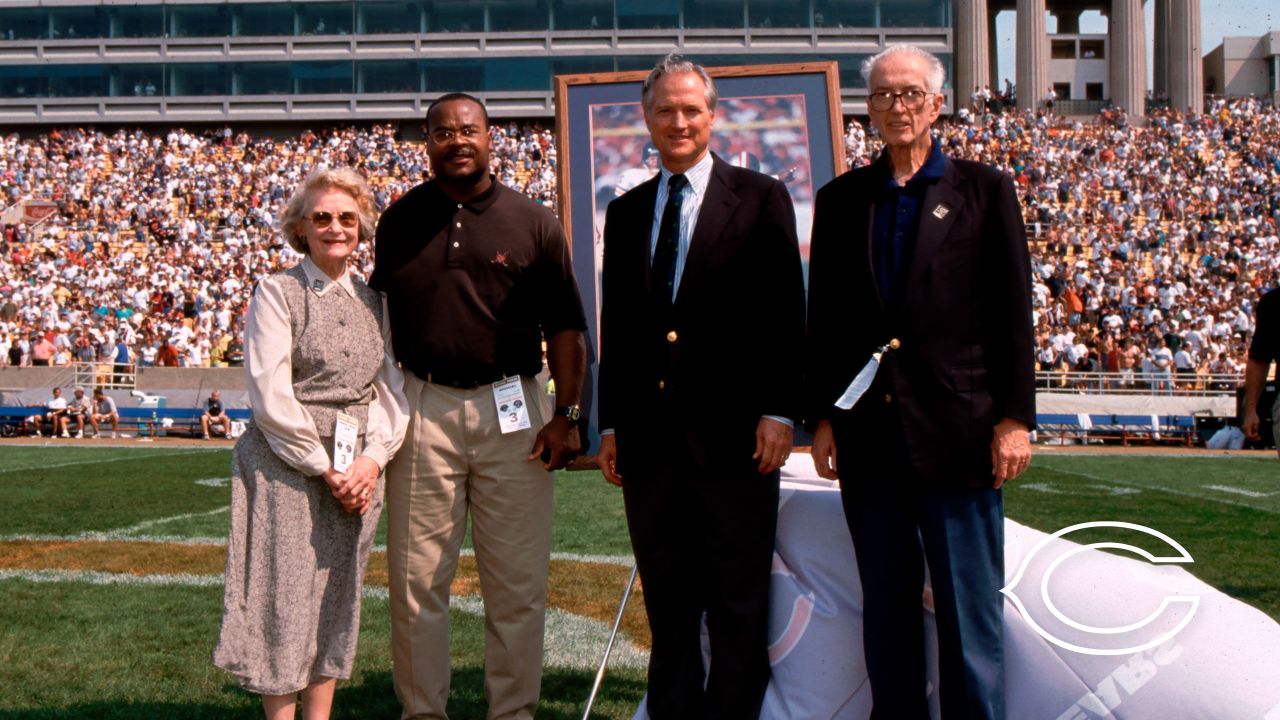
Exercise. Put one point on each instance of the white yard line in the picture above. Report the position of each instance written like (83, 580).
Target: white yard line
(126, 533)
(95, 461)
(572, 641)
(1238, 491)
(1172, 491)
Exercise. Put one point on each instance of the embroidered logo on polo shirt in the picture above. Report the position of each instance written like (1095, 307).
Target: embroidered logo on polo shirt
(500, 258)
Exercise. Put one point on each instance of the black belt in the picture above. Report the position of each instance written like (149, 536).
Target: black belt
(463, 382)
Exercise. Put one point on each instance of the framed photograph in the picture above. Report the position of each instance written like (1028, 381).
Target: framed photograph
(782, 120)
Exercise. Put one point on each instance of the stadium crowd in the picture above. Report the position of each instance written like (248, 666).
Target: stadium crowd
(1150, 241)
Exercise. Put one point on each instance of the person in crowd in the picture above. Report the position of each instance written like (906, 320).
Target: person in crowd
(477, 277)
(328, 413)
(920, 277)
(691, 436)
(215, 414)
(78, 408)
(104, 411)
(55, 410)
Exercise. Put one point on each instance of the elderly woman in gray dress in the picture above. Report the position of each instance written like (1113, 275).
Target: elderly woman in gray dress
(318, 356)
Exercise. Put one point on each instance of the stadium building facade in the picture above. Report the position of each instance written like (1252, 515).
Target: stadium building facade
(175, 61)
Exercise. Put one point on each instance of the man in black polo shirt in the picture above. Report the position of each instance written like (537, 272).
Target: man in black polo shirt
(476, 277)
(1263, 350)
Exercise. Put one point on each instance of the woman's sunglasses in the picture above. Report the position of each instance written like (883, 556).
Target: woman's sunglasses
(323, 219)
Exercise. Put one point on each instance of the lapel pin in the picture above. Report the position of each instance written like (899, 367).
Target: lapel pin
(941, 211)
(317, 284)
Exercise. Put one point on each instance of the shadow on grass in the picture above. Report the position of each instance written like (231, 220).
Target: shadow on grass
(564, 694)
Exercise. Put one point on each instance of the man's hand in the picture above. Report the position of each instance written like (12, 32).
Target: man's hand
(560, 437)
(607, 460)
(1251, 424)
(773, 444)
(1010, 451)
(824, 451)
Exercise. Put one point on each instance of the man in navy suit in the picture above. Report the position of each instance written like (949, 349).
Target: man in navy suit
(925, 257)
(702, 325)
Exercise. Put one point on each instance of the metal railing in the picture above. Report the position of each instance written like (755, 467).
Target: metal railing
(1138, 383)
(106, 375)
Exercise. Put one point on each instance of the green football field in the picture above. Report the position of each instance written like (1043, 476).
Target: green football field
(111, 561)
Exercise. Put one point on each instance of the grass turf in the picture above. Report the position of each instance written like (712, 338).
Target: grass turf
(72, 649)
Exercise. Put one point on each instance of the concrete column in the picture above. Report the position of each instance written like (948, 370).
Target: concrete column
(972, 46)
(1033, 54)
(1128, 61)
(1186, 68)
(1160, 52)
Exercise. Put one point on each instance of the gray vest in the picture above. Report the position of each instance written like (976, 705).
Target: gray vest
(337, 348)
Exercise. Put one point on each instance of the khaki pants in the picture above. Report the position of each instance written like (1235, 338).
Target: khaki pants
(456, 461)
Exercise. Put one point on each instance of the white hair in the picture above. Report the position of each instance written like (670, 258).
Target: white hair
(673, 64)
(934, 79)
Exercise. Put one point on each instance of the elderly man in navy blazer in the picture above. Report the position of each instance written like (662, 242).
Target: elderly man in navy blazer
(924, 259)
(702, 326)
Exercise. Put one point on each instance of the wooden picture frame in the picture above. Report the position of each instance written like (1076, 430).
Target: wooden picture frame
(782, 119)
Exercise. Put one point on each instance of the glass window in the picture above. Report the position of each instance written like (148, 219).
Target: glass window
(199, 79)
(578, 65)
(23, 81)
(389, 17)
(914, 13)
(322, 77)
(583, 14)
(77, 80)
(778, 13)
(24, 24)
(844, 13)
(448, 76)
(76, 22)
(137, 80)
(271, 19)
(454, 16)
(324, 19)
(1093, 91)
(388, 76)
(266, 78)
(648, 14)
(637, 62)
(199, 21)
(517, 74)
(131, 21)
(714, 14)
(513, 15)
(851, 70)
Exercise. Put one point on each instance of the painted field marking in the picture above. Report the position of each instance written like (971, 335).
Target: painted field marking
(214, 482)
(1040, 487)
(127, 533)
(97, 461)
(572, 641)
(1238, 491)
(1113, 490)
(1171, 491)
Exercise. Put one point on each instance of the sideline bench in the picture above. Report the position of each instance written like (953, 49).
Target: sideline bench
(1177, 429)
(145, 421)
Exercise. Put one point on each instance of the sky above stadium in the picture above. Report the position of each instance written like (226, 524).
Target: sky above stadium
(1218, 19)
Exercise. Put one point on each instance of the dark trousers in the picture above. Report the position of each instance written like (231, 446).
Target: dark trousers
(703, 536)
(897, 526)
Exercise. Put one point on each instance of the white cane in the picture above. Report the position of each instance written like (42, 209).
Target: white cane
(604, 661)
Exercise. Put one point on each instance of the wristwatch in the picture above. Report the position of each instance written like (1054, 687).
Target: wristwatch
(572, 412)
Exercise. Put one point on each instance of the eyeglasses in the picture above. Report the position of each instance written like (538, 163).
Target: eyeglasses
(323, 219)
(445, 135)
(911, 99)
